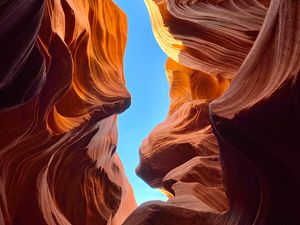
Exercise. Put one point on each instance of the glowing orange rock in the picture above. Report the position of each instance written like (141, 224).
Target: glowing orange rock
(241, 59)
(62, 88)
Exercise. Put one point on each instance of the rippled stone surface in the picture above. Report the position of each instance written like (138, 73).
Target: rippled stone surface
(61, 88)
(228, 150)
(227, 153)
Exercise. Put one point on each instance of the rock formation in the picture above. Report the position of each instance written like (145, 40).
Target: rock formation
(228, 150)
(61, 88)
(227, 153)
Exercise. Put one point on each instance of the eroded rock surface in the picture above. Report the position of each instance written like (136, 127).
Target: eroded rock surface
(227, 153)
(228, 150)
(62, 86)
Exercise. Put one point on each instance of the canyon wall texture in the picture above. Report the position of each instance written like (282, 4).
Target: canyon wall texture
(61, 88)
(228, 151)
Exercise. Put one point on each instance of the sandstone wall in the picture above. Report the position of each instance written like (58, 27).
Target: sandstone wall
(228, 150)
(62, 86)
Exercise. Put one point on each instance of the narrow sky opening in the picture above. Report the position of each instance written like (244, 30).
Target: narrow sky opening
(147, 83)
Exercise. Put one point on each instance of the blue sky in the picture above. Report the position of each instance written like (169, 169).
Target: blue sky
(147, 83)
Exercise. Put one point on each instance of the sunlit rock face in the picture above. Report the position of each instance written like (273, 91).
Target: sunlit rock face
(228, 150)
(61, 88)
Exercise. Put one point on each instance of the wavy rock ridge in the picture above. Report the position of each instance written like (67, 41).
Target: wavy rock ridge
(61, 88)
(228, 150)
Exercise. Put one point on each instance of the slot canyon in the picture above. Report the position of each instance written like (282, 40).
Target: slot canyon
(227, 152)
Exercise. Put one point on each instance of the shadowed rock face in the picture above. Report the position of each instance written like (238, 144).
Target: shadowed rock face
(61, 88)
(228, 150)
(227, 153)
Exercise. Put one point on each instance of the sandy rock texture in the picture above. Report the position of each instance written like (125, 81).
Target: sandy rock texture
(228, 151)
(61, 88)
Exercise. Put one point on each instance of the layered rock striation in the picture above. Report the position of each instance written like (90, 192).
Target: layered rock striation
(61, 88)
(227, 152)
